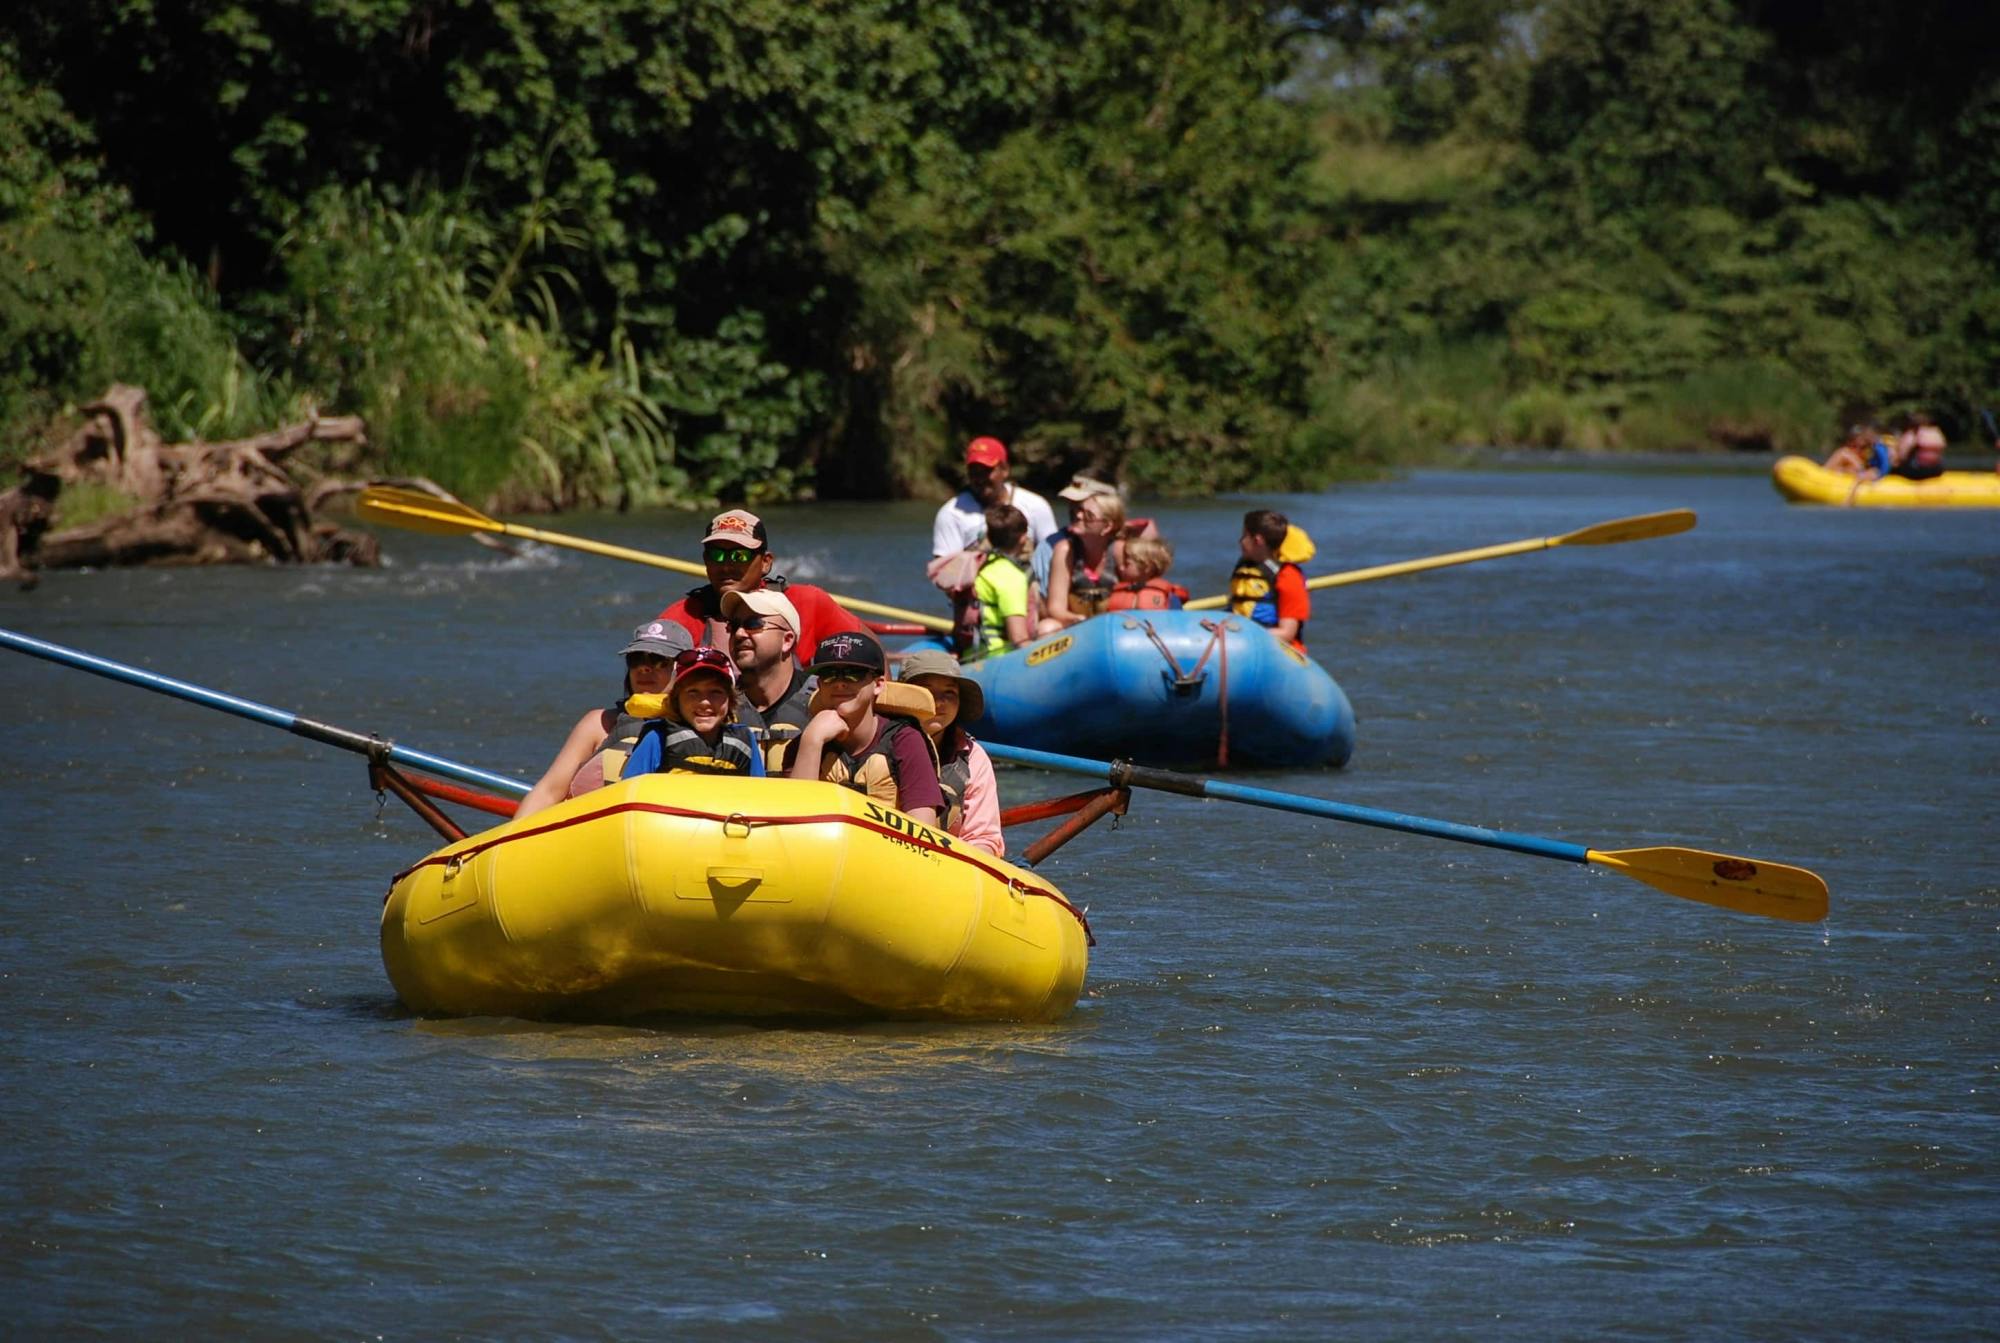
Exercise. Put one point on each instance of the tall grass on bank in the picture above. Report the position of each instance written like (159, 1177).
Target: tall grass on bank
(446, 336)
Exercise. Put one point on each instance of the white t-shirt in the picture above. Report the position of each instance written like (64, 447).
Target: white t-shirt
(961, 520)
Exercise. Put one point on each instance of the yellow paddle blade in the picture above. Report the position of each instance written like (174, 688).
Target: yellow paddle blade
(1643, 527)
(1746, 885)
(419, 512)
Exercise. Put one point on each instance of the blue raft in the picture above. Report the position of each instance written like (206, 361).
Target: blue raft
(1167, 688)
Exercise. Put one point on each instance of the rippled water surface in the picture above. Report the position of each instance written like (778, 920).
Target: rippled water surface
(1323, 1080)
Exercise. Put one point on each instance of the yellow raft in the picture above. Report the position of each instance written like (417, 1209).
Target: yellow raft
(691, 894)
(1804, 481)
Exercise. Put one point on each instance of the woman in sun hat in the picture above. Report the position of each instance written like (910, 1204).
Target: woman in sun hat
(965, 772)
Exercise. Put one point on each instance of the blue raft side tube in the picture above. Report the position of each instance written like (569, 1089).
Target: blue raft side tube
(346, 740)
(1283, 710)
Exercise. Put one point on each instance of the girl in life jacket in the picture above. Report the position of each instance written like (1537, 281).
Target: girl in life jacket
(1083, 567)
(1142, 579)
(1267, 585)
(965, 772)
(696, 731)
(595, 753)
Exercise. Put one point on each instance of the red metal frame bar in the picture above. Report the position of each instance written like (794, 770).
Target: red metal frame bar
(1095, 807)
(384, 777)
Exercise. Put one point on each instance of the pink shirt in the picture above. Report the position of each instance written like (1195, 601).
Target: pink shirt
(980, 824)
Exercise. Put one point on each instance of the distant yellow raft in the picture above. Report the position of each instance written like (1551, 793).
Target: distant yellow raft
(695, 895)
(1804, 481)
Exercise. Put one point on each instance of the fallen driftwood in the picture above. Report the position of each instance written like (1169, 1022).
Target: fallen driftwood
(193, 503)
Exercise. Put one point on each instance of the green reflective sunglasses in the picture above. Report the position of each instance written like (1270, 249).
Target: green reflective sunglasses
(844, 675)
(728, 555)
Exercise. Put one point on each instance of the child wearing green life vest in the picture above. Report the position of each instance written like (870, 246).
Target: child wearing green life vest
(1002, 586)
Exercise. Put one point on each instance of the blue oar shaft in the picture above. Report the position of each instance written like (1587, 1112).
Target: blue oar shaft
(1134, 776)
(346, 740)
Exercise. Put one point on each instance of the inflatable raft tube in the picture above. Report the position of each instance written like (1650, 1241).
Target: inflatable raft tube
(696, 895)
(1804, 481)
(1190, 688)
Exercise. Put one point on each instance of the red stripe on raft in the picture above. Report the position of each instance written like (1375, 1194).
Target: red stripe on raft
(661, 809)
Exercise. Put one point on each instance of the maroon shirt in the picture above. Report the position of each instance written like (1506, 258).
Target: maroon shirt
(916, 773)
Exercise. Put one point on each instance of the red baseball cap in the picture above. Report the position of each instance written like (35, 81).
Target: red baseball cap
(985, 451)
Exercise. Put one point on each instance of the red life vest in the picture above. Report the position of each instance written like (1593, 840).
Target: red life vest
(1155, 594)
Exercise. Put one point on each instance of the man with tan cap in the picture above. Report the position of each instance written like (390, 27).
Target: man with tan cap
(961, 520)
(738, 558)
(775, 691)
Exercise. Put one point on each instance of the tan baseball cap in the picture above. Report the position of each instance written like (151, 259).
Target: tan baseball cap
(1083, 487)
(763, 602)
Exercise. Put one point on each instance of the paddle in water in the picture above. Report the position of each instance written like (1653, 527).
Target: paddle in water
(1746, 885)
(420, 512)
(1642, 527)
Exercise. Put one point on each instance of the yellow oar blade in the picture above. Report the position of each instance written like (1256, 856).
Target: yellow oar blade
(1644, 527)
(1746, 885)
(418, 512)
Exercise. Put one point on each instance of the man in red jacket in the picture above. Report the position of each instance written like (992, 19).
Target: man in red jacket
(737, 554)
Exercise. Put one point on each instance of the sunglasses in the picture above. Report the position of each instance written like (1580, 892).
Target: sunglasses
(638, 660)
(845, 675)
(727, 554)
(751, 623)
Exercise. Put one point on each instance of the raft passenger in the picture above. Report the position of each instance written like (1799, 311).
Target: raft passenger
(961, 520)
(1083, 566)
(1080, 487)
(1001, 590)
(696, 732)
(1920, 449)
(1862, 453)
(848, 743)
(965, 771)
(774, 691)
(1265, 588)
(737, 555)
(599, 744)
(1142, 579)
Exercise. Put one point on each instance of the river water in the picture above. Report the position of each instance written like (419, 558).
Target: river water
(1323, 1079)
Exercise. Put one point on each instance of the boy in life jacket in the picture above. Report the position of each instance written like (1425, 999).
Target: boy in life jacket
(1001, 589)
(848, 743)
(1265, 588)
(602, 740)
(696, 730)
(1142, 579)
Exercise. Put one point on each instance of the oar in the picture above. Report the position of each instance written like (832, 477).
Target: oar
(1746, 885)
(375, 748)
(1641, 528)
(448, 517)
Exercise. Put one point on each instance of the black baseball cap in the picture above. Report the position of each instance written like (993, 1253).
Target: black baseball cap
(849, 648)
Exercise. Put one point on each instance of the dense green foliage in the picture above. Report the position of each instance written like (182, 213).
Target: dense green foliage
(638, 251)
